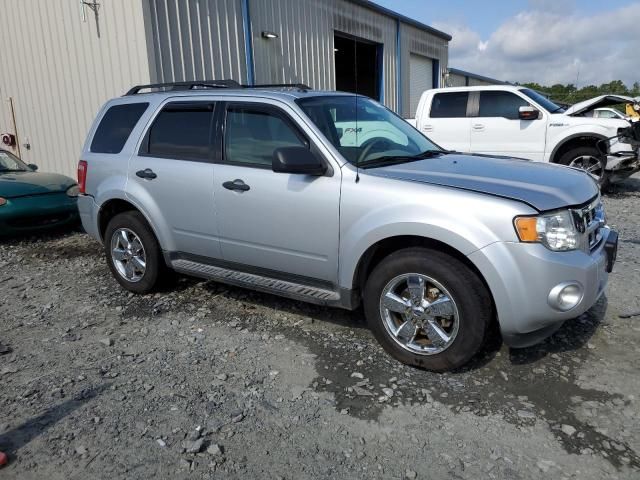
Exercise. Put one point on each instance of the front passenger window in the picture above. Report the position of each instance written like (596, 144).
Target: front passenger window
(253, 134)
(501, 104)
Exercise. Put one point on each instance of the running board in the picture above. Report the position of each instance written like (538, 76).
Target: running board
(258, 282)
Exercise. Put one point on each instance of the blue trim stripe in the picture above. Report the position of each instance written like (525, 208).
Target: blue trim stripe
(398, 68)
(436, 73)
(248, 42)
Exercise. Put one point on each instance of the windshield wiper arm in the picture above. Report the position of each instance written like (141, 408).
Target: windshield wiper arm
(392, 159)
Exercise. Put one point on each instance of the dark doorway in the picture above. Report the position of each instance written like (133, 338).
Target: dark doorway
(358, 65)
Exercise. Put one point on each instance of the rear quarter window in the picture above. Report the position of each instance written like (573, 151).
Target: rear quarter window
(116, 126)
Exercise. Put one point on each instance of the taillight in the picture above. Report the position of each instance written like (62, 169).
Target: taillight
(82, 176)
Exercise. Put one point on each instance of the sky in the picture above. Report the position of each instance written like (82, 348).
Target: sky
(545, 41)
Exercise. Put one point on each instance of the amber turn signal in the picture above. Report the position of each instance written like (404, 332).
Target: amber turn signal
(526, 228)
(3, 201)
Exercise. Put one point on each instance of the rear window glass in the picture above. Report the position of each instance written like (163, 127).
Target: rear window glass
(449, 105)
(182, 131)
(116, 126)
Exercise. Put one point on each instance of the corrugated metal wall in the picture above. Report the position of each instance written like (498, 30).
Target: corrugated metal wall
(303, 51)
(455, 80)
(59, 72)
(196, 40)
(414, 40)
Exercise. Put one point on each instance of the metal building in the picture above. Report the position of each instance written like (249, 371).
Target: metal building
(460, 78)
(60, 61)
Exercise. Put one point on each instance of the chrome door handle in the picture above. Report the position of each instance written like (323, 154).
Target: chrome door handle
(237, 184)
(478, 126)
(427, 128)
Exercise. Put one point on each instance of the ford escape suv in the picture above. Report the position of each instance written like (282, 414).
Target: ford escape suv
(331, 198)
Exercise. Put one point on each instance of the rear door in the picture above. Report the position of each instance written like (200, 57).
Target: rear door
(171, 176)
(496, 128)
(445, 120)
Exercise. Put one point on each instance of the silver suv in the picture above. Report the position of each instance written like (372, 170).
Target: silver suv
(331, 198)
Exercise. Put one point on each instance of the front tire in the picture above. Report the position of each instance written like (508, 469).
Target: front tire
(133, 253)
(427, 309)
(590, 160)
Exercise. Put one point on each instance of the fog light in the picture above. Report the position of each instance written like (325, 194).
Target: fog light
(565, 296)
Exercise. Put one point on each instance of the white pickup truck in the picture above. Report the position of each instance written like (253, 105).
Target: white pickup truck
(519, 122)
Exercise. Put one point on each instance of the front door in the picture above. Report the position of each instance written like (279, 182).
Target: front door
(281, 222)
(446, 122)
(498, 130)
(172, 177)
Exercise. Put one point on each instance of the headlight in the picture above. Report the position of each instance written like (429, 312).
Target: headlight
(73, 191)
(556, 230)
(3, 201)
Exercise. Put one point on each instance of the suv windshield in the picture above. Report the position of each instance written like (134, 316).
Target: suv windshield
(544, 102)
(10, 163)
(364, 131)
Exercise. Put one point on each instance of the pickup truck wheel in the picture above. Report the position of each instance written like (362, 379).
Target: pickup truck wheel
(427, 309)
(588, 159)
(133, 253)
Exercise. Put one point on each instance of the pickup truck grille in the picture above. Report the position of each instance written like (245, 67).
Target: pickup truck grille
(590, 221)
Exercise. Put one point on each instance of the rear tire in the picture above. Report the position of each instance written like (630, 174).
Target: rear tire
(440, 277)
(589, 159)
(133, 253)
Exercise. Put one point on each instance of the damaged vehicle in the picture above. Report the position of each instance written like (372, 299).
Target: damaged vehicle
(516, 121)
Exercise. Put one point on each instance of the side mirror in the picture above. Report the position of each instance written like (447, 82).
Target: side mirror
(33, 166)
(528, 113)
(297, 160)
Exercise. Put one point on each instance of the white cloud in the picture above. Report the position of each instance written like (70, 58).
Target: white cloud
(548, 45)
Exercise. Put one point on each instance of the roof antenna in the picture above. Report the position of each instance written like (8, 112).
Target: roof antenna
(355, 61)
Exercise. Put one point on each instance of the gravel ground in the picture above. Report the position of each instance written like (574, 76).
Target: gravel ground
(208, 381)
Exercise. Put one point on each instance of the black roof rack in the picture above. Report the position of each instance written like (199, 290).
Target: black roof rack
(196, 84)
(186, 85)
(299, 86)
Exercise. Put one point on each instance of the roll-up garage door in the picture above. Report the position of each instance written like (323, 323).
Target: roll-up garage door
(420, 79)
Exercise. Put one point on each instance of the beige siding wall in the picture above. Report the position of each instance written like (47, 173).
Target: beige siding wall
(455, 80)
(59, 72)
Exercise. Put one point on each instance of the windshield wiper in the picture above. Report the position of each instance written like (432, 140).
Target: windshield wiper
(10, 171)
(395, 159)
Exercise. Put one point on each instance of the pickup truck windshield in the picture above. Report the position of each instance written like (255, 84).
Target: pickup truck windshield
(544, 102)
(364, 131)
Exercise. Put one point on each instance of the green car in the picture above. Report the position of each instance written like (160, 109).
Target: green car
(31, 201)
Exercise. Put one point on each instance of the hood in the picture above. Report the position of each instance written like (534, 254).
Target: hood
(19, 184)
(599, 102)
(543, 186)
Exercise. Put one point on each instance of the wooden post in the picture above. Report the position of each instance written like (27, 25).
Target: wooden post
(15, 126)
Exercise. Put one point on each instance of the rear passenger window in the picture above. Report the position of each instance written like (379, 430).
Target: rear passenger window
(501, 104)
(182, 131)
(253, 134)
(116, 126)
(449, 105)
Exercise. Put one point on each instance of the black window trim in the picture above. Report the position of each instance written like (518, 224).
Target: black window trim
(467, 110)
(143, 149)
(267, 108)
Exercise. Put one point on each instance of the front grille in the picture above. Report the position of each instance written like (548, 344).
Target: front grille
(590, 221)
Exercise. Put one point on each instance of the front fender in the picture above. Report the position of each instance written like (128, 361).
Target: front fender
(465, 221)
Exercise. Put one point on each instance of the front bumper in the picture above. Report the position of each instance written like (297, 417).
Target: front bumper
(621, 165)
(521, 277)
(24, 215)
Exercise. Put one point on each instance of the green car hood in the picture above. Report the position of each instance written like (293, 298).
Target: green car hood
(19, 184)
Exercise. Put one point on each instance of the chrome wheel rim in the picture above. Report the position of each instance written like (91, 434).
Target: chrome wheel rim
(128, 255)
(419, 314)
(589, 164)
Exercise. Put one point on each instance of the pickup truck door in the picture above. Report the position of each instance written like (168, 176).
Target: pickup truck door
(496, 128)
(444, 120)
(171, 176)
(274, 222)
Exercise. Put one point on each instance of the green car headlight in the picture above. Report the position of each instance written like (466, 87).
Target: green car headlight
(73, 191)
